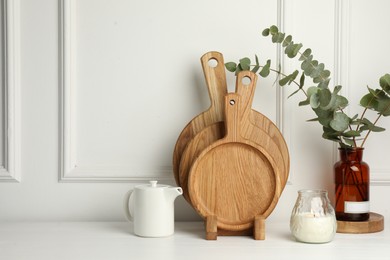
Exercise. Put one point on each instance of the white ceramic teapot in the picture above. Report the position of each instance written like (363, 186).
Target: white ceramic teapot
(151, 209)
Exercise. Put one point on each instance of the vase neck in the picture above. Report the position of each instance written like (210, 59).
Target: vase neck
(351, 154)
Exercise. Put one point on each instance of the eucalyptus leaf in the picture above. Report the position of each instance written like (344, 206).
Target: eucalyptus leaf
(384, 82)
(349, 142)
(265, 32)
(324, 84)
(329, 130)
(273, 30)
(325, 121)
(231, 66)
(314, 100)
(304, 102)
(317, 71)
(351, 133)
(305, 55)
(330, 137)
(376, 100)
(323, 76)
(368, 125)
(325, 97)
(365, 121)
(289, 78)
(255, 68)
(312, 90)
(266, 69)
(302, 80)
(341, 102)
(337, 89)
(368, 101)
(293, 76)
(311, 67)
(287, 41)
(382, 106)
(331, 104)
(321, 113)
(293, 49)
(284, 81)
(278, 37)
(330, 134)
(306, 63)
(245, 63)
(340, 122)
(238, 69)
(372, 128)
(324, 116)
(374, 92)
(378, 129)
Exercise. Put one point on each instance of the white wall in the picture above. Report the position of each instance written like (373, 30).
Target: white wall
(97, 93)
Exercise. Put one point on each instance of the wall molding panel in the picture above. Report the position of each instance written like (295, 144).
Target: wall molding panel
(74, 170)
(71, 170)
(10, 170)
(281, 96)
(342, 73)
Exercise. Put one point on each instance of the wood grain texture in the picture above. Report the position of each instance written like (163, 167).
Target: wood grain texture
(216, 83)
(234, 179)
(216, 131)
(259, 228)
(211, 228)
(194, 148)
(375, 223)
(257, 134)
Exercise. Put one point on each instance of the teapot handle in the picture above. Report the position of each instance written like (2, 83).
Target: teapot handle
(128, 199)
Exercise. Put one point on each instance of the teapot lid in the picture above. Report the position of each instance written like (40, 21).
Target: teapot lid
(152, 185)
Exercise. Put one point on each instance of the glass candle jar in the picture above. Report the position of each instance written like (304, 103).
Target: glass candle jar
(313, 218)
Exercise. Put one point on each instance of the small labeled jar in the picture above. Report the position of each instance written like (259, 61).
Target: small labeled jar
(352, 186)
(313, 218)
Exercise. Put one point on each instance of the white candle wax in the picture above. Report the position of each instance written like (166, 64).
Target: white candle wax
(313, 229)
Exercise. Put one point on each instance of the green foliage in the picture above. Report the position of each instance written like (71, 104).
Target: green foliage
(266, 69)
(327, 104)
(231, 66)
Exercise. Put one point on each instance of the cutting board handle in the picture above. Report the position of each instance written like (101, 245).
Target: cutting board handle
(215, 76)
(245, 86)
(232, 117)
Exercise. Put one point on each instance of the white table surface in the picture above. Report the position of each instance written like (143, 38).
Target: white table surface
(115, 240)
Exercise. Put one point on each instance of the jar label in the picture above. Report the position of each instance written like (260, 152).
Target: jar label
(356, 206)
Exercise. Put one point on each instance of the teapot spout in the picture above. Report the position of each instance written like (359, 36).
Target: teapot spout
(173, 193)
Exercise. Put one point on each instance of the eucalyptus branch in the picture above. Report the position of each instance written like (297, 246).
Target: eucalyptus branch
(284, 75)
(361, 118)
(350, 128)
(328, 105)
(369, 131)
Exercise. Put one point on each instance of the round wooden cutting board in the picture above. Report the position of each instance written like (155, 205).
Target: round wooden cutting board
(216, 82)
(216, 131)
(234, 179)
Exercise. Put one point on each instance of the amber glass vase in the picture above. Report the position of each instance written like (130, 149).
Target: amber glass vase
(352, 182)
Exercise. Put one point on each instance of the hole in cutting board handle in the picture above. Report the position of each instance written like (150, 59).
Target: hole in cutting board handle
(246, 80)
(212, 63)
(232, 102)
